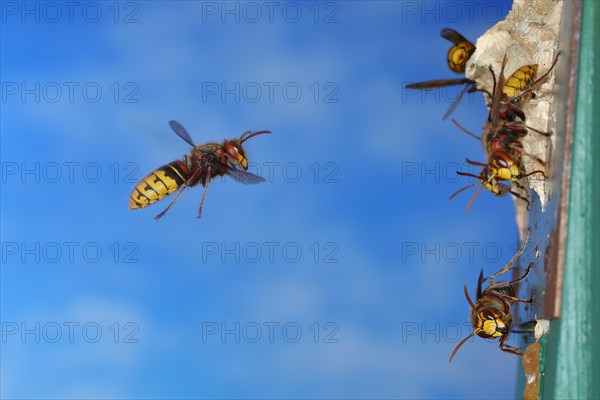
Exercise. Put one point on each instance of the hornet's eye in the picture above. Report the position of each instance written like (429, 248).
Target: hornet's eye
(502, 163)
(487, 314)
(237, 153)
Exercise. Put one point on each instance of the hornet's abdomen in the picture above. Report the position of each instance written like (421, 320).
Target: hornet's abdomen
(157, 184)
(518, 81)
(458, 56)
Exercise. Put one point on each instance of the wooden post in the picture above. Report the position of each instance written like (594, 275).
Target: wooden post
(572, 351)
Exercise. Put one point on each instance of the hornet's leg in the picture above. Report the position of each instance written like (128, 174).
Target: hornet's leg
(163, 212)
(206, 185)
(509, 349)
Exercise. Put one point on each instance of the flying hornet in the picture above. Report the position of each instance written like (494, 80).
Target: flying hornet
(458, 55)
(502, 134)
(203, 163)
(490, 314)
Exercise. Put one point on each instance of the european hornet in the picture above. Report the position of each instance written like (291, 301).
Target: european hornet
(490, 314)
(501, 166)
(458, 55)
(502, 134)
(200, 165)
(508, 98)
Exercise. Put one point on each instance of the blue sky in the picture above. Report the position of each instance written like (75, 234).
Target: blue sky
(366, 248)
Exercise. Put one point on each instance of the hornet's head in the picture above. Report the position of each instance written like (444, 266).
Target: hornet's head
(504, 167)
(235, 150)
(492, 323)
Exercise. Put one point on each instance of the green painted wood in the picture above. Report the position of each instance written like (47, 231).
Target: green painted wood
(572, 365)
(543, 361)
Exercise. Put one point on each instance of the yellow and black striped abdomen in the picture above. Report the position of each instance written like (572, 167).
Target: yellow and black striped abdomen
(157, 184)
(519, 80)
(458, 55)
